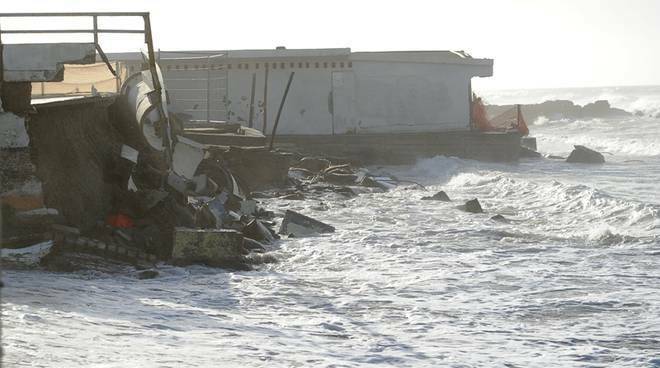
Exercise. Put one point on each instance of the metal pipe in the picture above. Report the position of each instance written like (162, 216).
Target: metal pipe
(254, 82)
(263, 128)
(279, 111)
(208, 89)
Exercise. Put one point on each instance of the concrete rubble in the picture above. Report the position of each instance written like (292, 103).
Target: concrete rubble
(116, 176)
(582, 154)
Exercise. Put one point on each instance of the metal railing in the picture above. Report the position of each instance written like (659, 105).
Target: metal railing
(95, 31)
(157, 91)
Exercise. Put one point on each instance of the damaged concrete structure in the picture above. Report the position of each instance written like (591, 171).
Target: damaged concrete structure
(114, 167)
(386, 107)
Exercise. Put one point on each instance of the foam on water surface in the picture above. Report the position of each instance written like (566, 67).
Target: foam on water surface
(569, 279)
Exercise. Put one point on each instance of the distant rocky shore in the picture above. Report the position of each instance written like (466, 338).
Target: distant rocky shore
(562, 109)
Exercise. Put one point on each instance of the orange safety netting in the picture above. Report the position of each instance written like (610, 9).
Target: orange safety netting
(510, 120)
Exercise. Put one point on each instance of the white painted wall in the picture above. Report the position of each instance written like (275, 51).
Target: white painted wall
(372, 93)
(306, 110)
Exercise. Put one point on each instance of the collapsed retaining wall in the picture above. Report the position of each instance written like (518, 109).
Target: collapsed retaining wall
(74, 147)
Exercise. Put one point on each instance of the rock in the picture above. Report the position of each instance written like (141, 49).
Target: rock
(499, 218)
(555, 157)
(147, 274)
(440, 196)
(585, 155)
(313, 164)
(299, 225)
(472, 206)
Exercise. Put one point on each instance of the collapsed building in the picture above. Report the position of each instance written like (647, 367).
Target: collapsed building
(112, 172)
(157, 156)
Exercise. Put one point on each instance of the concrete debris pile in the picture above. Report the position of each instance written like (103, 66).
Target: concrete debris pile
(313, 175)
(113, 176)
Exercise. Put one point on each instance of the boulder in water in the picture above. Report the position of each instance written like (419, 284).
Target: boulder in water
(585, 155)
(472, 206)
(499, 218)
(440, 196)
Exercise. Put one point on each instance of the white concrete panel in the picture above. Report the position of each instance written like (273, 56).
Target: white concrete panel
(411, 97)
(43, 62)
(306, 110)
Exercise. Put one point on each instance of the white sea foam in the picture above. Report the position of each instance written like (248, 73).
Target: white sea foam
(569, 278)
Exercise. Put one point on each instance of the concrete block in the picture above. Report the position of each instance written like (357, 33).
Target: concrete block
(213, 247)
(300, 225)
(12, 131)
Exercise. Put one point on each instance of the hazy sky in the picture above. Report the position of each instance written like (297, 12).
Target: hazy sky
(535, 43)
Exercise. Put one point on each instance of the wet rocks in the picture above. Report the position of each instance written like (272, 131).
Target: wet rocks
(472, 206)
(499, 218)
(147, 274)
(299, 225)
(582, 154)
(440, 196)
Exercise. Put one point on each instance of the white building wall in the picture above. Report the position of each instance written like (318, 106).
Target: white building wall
(409, 97)
(339, 93)
(307, 107)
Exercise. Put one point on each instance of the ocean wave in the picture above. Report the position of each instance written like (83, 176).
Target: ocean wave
(631, 137)
(571, 211)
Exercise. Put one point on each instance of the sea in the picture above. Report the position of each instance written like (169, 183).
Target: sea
(570, 278)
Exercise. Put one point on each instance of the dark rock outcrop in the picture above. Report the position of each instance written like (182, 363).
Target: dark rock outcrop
(440, 196)
(585, 155)
(472, 206)
(562, 109)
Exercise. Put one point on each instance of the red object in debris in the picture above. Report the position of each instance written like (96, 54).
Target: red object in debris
(479, 116)
(522, 125)
(119, 220)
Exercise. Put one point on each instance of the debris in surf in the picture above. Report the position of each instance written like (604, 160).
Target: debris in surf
(582, 154)
(299, 225)
(440, 196)
(472, 206)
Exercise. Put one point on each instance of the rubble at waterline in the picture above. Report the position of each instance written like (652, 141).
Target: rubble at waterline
(117, 176)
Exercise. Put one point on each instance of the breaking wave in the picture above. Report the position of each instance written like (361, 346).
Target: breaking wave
(562, 210)
(630, 137)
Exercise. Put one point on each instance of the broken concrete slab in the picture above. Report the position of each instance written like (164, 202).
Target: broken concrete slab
(39, 217)
(212, 247)
(299, 225)
(12, 131)
(313, 164)
(256, 230)
(440, 196)
(582, 154)
(340, 178)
